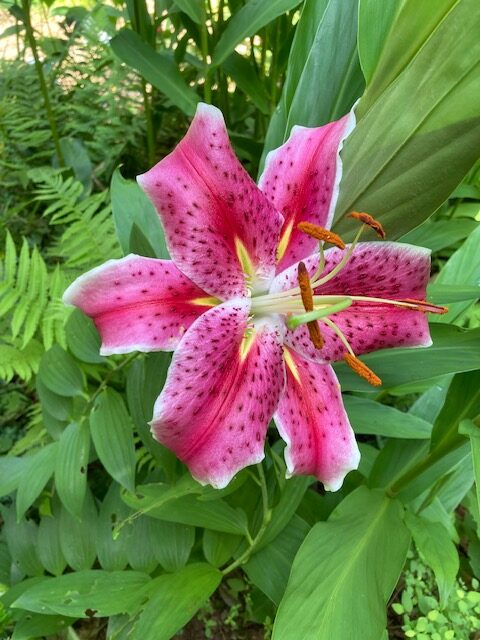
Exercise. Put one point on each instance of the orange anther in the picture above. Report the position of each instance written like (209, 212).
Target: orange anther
(425, 307)
(369, 220)
(362, 370)
(319, 233)
(305, 287)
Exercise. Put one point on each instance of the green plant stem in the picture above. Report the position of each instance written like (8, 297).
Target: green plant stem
(267, 515)
(43, 84)
(107, 379)
(149, 124)
(207, 87)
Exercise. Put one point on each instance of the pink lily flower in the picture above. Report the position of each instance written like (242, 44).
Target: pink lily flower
(253, 327)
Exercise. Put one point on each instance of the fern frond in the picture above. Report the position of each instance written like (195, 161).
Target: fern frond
(20, 362)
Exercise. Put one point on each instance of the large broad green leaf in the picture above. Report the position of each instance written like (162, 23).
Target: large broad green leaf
(179, 504)
(441, 233)
(140, 548)
(82, 338)
(112, 551)
(270, 567)
(345, 572)
(411, 25)
(368, 416)
(71, 467)
(323, 74)
(38, 626)
(433, 542)
(472, 430)
(463, 269)
(38, 470)
(86, 594)
(193, 9)
(172, 543)
(112, 434)
(22, 542)
(407, 155)
(131, 206)
(60, 373)
(77, 537)
(462, 402)
(254, 15)
(155, 67)
(49, 548)
(453, 350)
(374, 23)
(11, 472)
(175, 599)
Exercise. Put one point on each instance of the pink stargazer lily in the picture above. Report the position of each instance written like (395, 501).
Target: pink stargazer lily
(228, 300)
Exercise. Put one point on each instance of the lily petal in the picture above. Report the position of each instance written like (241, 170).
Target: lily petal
(313, 422)
(220, 394)
(218, 224)
(302, 178)
(388, 270)
(138, 303)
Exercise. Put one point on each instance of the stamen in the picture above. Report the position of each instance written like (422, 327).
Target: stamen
(362, 370)
(370, 221)
(305, 288)
(342, 263)
(424, 306)
(319, 233)
(307, 299)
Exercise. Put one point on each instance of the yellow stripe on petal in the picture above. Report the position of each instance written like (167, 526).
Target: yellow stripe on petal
(247, 343)
(206, 302)
(244, 258)
(291, 365)
(284, 240)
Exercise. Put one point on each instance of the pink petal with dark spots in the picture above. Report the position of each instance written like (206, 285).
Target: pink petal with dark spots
(207, 202)
(313, 422)
(388, 270)
(302, 178)
(137, 303)
(215, 407)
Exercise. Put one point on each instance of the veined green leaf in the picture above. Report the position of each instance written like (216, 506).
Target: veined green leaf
(175, 599)
(85, 594)
(336, 583)
(434, 545)
(38, 470)
(368, 416)
(453, 350)
(77, 537)
(406, 156)
(472, 430)
(60, 373)
(374, 22)
(112, 435)
(82, 338)
(323, 75)
(49, 548)
(71, 467)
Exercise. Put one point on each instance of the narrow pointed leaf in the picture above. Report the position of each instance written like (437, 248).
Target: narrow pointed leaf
(156, 68)
(71, 467)
(38, 470)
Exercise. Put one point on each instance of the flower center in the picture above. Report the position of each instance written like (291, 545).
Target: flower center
(299, 305)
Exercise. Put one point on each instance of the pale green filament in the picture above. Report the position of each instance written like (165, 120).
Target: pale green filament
(342, 263)
(339, 333)
(318, 314)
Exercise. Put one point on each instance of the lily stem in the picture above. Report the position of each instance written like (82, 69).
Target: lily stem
(267, 515)
(42, 81)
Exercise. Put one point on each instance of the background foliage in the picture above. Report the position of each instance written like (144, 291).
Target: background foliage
(104, 533)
